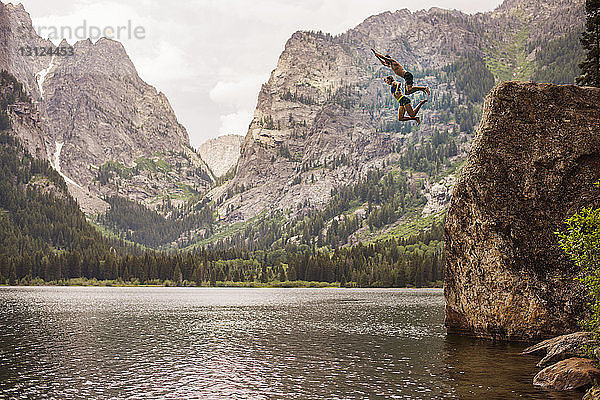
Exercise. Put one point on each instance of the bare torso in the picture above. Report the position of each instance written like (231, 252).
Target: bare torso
(397, 68)
(397, 91)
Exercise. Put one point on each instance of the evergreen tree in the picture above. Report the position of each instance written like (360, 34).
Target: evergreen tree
(590, 40)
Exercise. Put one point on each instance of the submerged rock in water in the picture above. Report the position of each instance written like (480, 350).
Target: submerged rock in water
(533, 163)
(572, 373)
(562, 347)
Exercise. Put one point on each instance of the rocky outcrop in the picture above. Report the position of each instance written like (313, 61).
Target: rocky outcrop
(562, 347)
(309, 134)
(323, 119)
(438, 196)
(222, 153)
(27, 127)
(567, 363)
(533, 163)
(569, 374)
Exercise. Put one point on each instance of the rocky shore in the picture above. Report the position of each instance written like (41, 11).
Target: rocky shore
(567, 364)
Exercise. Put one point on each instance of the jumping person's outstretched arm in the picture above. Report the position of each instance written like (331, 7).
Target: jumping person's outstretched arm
(382, 59)
(390, 63)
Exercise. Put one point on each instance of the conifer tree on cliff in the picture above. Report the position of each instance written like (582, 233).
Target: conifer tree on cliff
(590, 40)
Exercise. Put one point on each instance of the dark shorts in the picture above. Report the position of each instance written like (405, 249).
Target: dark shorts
(404, 101)
(408, 77)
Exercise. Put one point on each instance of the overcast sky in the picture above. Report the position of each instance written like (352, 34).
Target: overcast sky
(211, 56)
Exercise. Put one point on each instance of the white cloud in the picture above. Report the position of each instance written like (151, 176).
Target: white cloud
(211, 56)
(165, 62)
(236, 93)
(235, 123)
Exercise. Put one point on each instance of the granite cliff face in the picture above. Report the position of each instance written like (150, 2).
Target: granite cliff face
(533, 163)
(119, 135)
(16, 32)
(106, 130)
(27, 127)
(325, 101)
(222, 153)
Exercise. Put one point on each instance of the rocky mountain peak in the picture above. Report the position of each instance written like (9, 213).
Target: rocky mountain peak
(325, 99)
(106, 56)
(222, 153)
(107, 131)
(16, 32)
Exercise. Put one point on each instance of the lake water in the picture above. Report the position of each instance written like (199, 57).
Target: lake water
(198, 343)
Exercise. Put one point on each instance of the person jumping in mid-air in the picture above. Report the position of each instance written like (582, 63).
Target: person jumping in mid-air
(400, 71)
(404, 102)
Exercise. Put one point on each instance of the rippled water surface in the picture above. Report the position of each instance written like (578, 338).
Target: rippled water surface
(180, 343)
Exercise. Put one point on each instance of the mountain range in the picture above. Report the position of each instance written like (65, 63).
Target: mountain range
(324, 163)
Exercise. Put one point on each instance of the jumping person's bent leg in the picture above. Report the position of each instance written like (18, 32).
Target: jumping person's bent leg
(404, 109)
(418, 107)
(401, 111)
(410, 89)
(411, 112)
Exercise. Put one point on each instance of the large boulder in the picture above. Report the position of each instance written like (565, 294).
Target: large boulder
(573, 373)
(533, 163)
(562, 347)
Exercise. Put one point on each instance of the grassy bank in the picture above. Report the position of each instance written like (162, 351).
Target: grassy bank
(169, 283)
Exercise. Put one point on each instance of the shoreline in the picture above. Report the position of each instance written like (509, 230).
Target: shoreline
(82, 282)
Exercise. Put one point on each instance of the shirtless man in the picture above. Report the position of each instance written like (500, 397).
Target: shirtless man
(400, 71)
(404, 102)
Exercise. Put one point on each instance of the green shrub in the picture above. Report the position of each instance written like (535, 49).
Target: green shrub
(581, 242)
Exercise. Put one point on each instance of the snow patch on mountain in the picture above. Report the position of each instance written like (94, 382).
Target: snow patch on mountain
(41, 76)
(56, 164)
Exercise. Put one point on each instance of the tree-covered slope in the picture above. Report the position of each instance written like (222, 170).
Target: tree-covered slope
(40, 221)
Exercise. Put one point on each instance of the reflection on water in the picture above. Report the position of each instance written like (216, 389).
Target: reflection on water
(196, 343)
